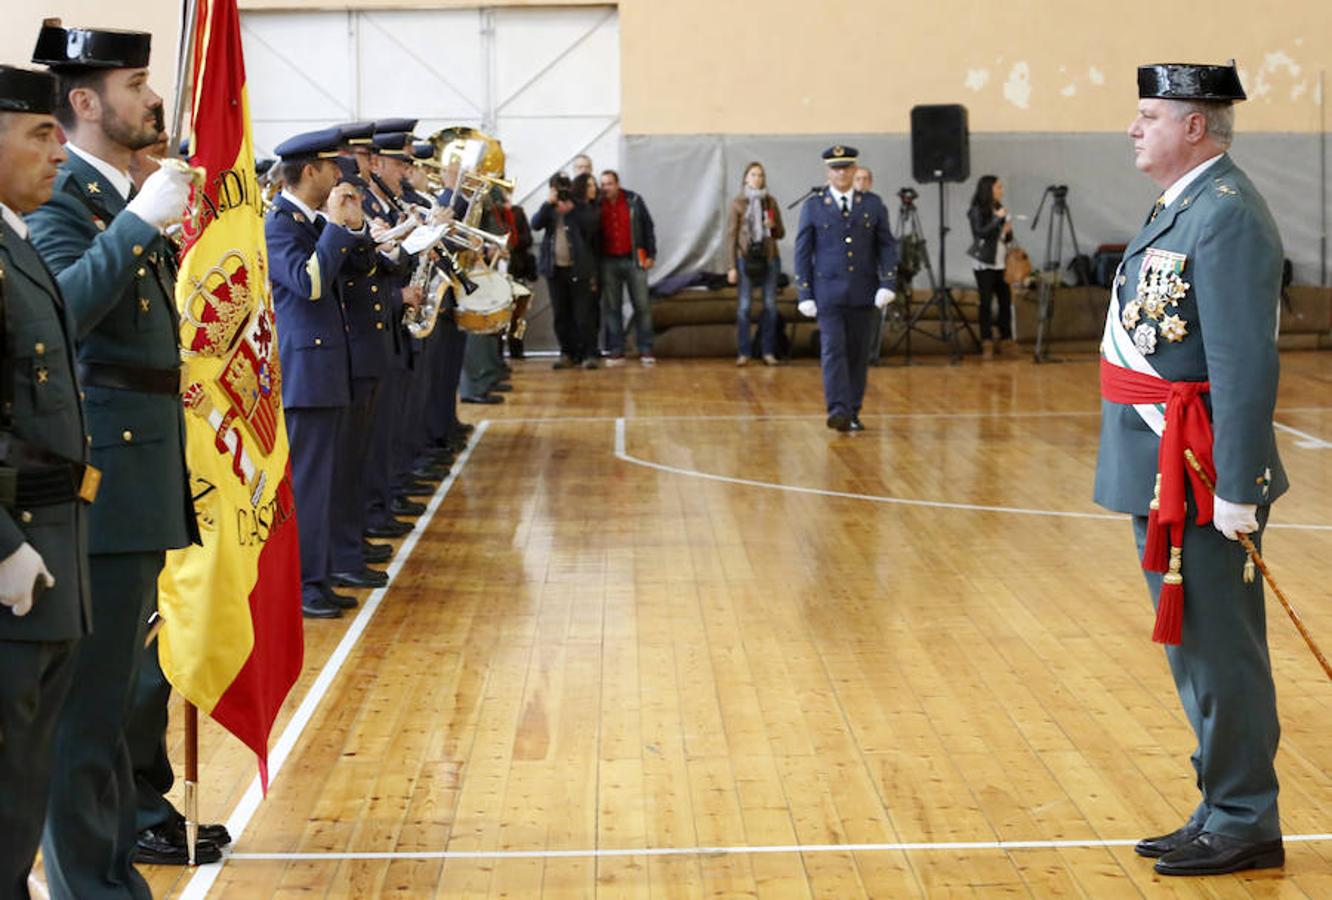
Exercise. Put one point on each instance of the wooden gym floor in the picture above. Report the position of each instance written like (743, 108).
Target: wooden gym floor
(666, 635)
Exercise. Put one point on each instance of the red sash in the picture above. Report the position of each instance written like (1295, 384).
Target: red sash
(1187, 427)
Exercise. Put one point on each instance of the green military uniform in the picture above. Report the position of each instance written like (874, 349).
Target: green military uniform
(113, 272)
(37, 650)
(42, 467)
(1196, 300)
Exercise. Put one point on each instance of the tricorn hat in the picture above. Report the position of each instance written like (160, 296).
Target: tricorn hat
(92, 48)
(26, 90)
(1190, 81)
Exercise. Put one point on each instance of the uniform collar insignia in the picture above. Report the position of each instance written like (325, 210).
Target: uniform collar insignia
(298, 215)
(94, 187)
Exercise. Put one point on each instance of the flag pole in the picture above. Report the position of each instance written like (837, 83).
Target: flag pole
(184, 96)
(191, 778)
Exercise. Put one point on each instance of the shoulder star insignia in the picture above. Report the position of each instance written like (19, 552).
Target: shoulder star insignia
(298, 217)
(1173, 329)
(94, 187)
(1226, 190)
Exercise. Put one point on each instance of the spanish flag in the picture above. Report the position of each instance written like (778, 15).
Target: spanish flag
(232, 640)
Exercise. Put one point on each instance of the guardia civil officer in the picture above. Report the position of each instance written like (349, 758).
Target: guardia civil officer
(1192, 325)
(845, 262)
(45, 483)
(113, 265)
(307, 255)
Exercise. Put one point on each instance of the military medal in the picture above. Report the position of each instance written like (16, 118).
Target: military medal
(1160, 287)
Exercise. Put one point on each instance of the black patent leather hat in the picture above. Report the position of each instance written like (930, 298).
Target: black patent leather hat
(26, 91)
(92, 48)
(1190, 81)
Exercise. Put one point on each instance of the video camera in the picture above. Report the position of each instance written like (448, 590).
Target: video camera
(907, 196)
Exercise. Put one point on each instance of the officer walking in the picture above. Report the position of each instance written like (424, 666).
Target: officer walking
(105, 244)
(1192, 325)
(307, 255)
(845, 262)
(44, 481)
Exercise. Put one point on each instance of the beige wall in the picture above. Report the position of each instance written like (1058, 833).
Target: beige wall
(829, 66)
(159, 17)
(853, 66)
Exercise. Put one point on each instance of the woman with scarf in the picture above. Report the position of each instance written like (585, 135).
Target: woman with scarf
(753, 229)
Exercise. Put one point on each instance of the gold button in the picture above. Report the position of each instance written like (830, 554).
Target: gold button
(319, 342)
(127, 435)
(350, 283)
(39, 348)
(848, 238)
(379, 326)
(344, 249)
(850, 268)
(1123, 279)
(142, 271)
(88, 438)
(374, 289)
(25, 517)
(137, 250)
(849, 254)
(378, 307)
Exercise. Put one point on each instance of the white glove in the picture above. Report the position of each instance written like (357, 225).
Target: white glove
(1232, 519)
(18, 573)
(163, 197)
(883, 297)
(808, 308)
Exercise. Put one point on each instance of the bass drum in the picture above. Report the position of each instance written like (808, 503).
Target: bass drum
(489, 308)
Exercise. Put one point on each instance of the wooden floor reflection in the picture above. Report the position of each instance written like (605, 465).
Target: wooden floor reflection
(744, 630)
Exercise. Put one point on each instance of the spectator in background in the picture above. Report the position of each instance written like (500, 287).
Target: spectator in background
(753, 228)
(522, 264)
(587, 302)
(568, 262)
(582, 165)
(628, 251)
(863, 180)
(990, 230)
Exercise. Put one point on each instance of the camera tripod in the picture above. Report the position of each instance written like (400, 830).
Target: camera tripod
(951, 322)
(1060, 217)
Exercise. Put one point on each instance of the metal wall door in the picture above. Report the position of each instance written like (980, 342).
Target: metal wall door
(545, 81)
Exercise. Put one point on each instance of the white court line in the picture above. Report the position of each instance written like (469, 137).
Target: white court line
(603, 853)
(204, 876)
(1308, 441)
(622, 455)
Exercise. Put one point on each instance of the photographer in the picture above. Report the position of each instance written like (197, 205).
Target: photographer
(568, 262)
(753, 228)
(990, 226)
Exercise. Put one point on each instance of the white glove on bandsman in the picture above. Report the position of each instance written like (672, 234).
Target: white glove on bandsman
(18, 573)
(883, 297)
(163, 197)
(1234, 519)
(808, 308)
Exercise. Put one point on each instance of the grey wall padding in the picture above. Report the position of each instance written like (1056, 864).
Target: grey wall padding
(687, 181)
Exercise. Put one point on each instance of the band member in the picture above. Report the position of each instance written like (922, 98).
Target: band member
(114, 269)
(1192, 325)
(845, 262)
(44, 586)
(307, 254)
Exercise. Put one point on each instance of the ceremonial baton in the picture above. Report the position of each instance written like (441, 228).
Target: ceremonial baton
(1257, 559)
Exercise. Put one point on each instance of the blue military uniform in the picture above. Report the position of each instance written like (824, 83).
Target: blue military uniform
(306, 257)
(369, 317)
(842, 257)
(115, 273)
(42, 432)
(1197, 300)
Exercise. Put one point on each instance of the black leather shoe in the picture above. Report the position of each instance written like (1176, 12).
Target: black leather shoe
(319, 608)
(839, 422)
(165, 846)
(1162, 844)
(401, 506)
(391, 529)
(341, 601)
(464, 428)
(503, 388)
(376, 553)
(489, 399)
(411, 492)
(366, 578)
(1215, 854)
(856, 424)
(424, 475)
(215, 834)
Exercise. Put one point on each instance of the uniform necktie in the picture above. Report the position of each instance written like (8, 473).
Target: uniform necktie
(846, 210)
(1156, 209)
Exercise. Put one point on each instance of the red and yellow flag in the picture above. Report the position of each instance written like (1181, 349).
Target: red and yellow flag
(232, 640)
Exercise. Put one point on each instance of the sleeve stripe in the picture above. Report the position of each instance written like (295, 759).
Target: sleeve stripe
(312, 269)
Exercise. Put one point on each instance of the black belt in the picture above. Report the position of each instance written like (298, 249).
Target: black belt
(34, 476)
(130, 378)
